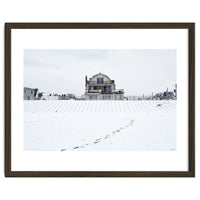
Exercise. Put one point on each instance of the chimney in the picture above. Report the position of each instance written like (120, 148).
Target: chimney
(86, 80)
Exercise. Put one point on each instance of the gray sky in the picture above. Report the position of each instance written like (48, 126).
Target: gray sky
(135, 71)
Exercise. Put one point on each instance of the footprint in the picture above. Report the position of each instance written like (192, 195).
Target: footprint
(75, 147)
(131, 122)
(107, 136)
(63, 150)
(97, 141)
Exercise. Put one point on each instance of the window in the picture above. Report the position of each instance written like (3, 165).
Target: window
(117, 97)
(93, 97)
(99, 80)
(93, 88)
(106, 97)
(106, 89)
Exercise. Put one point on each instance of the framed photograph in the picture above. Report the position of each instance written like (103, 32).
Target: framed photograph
(99, 99)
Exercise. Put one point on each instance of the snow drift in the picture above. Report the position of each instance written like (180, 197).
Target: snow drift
(99, 125)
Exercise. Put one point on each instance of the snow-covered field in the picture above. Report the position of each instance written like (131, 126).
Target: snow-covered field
(99, 125)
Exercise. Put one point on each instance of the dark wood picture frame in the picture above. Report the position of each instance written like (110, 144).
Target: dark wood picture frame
(191, 99)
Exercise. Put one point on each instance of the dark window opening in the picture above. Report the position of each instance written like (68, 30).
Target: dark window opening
(99, 80)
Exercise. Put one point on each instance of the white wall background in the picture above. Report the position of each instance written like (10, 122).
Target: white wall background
(99, 11)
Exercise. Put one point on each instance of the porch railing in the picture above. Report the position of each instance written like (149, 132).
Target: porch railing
(100, 83)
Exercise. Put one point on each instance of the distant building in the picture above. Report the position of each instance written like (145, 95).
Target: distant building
(48, 96)
(132, 98)
(165, 96)
(63, 97)
(143, 97)
(158, 96)
(101, 87)
(168, 95)
(30, 93)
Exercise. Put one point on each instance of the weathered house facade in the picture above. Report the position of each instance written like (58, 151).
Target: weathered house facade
(101, 87)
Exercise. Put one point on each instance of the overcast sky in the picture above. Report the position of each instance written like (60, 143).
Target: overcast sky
(135, 71)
